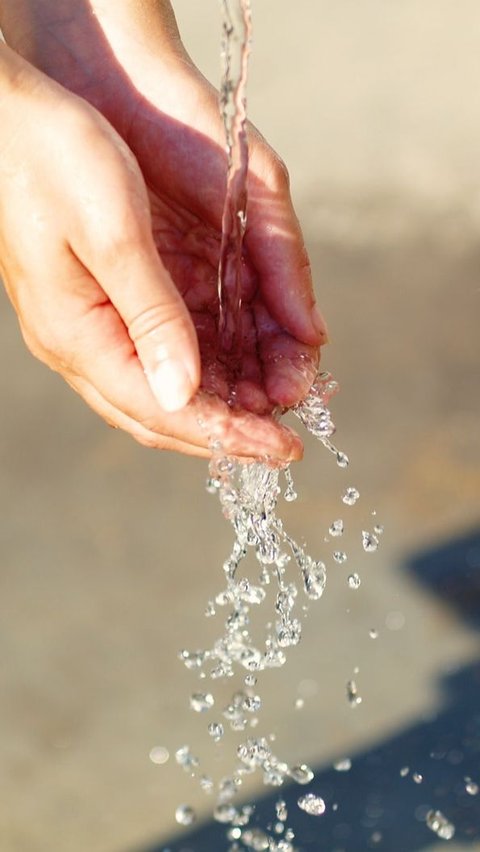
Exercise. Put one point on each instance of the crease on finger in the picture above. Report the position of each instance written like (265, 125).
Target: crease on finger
(117, 419)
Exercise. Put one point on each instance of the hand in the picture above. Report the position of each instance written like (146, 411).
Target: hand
(175, 132)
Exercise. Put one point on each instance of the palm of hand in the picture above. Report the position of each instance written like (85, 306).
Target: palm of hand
(179, 146)
(185, 171)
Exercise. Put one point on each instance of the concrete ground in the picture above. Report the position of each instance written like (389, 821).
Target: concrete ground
(108, 552)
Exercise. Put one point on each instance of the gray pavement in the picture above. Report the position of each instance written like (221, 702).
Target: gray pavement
(108, 552)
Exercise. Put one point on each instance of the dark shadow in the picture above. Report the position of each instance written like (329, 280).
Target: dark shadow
(378, 807)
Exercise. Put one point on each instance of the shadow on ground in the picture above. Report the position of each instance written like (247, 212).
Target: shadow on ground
(377, 805)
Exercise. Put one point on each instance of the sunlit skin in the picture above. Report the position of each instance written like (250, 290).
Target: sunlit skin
(110, 223)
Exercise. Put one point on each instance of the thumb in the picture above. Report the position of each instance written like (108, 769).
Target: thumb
(158, 322)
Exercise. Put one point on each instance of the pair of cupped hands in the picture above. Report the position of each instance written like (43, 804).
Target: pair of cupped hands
(112, 184)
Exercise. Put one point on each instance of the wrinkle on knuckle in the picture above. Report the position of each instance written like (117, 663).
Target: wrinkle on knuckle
(150, 441)
(152, 319)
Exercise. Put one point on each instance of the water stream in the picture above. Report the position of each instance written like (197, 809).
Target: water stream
(285, 578)
(236, 28)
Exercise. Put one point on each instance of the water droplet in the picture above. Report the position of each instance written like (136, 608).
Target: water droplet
(299, 703)
(354, 581)
(440, 825)
(288, 632)
(350, 496)
(336, 528)
(216, 731)
(210, 609)
(354, 699)
(471, 787)
(404, 771)
(417, 777)
(290, 494)
(301, 773)
(312, 804)
(369, 542)
(378, 529)
(227, 789)
(159, 755)
(253, 595)
(252, 703)
(185, 815)
(342, 459)
(343, 765)
(206, 784)
(256, 839)
(193, 660)
(314, 579)
(340, 556)
(250, 680)
(373, 633)
(281, 810)
(234, 834)
(225, 813)
(201, 701)
(186, 759)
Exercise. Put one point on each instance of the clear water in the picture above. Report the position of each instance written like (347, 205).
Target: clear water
(440, 825)
(286, 578)
(312, 804)
(236, 27)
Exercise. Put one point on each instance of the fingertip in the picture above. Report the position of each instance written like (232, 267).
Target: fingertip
(171, 384)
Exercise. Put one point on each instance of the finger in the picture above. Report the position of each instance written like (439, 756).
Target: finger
(289, 366)
(123, 259)
(117, 419)
(106, 357)
(276, 248)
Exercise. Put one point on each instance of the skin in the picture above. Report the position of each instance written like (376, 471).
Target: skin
(112, 180)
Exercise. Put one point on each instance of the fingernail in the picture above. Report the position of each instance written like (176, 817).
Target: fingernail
(171, 384)
(319, 323)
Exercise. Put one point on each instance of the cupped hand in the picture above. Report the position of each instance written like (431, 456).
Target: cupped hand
(109, 249)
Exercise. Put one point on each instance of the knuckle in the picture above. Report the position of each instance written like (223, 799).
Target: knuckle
(280, 177)
(155, 318)
(125, 236)
(42, 345)
(150, 440)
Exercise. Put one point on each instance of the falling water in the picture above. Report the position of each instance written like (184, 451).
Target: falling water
(286, 573)
(249, 495)
(235, 52)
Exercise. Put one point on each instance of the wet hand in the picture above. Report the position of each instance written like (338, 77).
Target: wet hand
(94, 300)
(168, 114)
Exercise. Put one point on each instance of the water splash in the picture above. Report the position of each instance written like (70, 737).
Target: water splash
(350, 496)
(336, 528)
(249, 497)
(343, 765)
(185, 815)
(354, 699)
(440, 825)
(312, 804)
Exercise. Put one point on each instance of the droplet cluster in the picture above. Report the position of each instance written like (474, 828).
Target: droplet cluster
(249, 495)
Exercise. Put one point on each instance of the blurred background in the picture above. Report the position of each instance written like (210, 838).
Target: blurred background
(109, 552)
